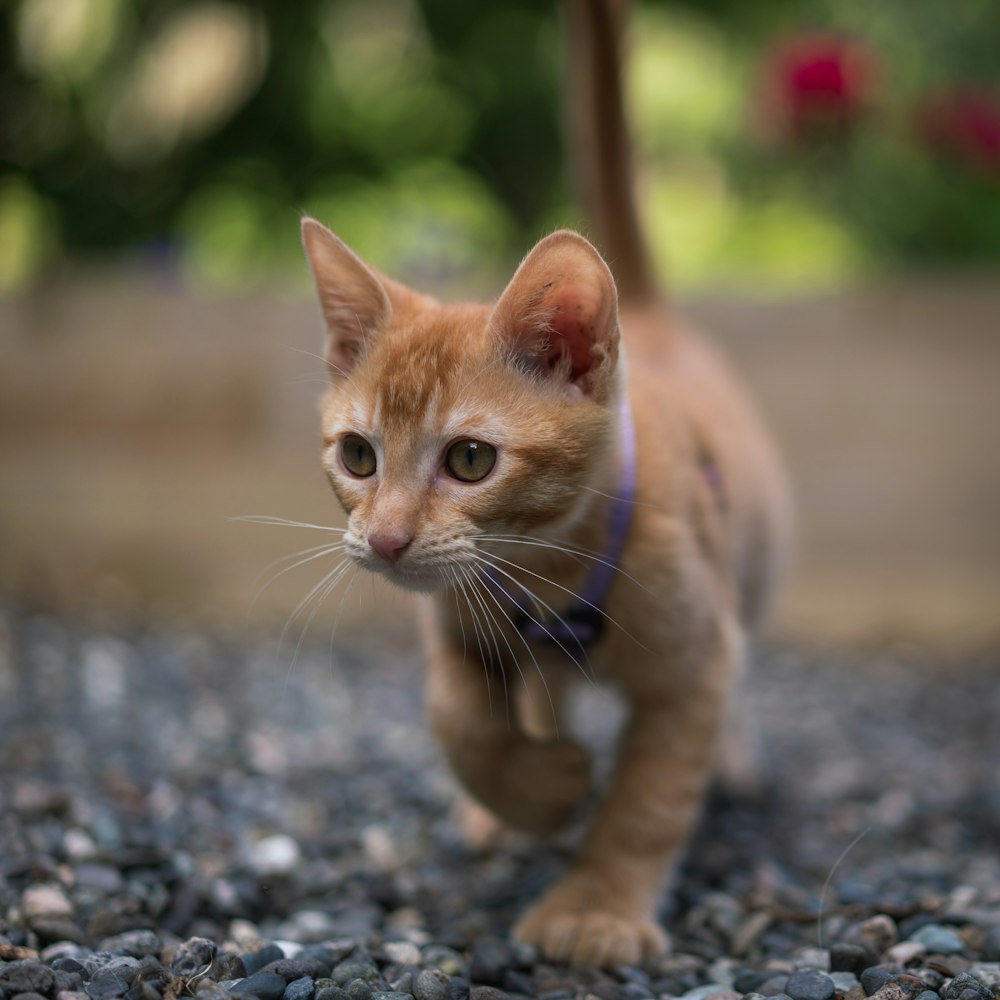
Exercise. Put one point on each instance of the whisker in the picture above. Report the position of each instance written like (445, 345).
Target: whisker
(315, 552)
(633, 502)
(460, 579)
(503, 634)
(272, 519)
(527, 646)
(568, 550)
(488, 623)
(566, 590)
(323, 594)
(340, 606)
(304, 603)
(447, 577)
(589, 675)
(326, 362)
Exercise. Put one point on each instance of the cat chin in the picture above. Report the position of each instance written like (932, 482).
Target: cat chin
(412, 580)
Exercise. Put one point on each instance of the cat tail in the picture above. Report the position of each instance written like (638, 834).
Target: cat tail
(598, 142)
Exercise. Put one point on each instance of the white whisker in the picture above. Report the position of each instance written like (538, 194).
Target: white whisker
(271, 519)
(328, 365)
(527, 646)
(461, 579)
(540, 623)
(634, 503)
(571, 593)
(314, 594)
(316, 552)
(566, 549)
(489, 623)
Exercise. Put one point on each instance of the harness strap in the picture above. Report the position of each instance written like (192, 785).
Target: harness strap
(582, 624)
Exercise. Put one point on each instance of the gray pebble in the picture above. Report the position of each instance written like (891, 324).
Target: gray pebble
(331, 993)
(291, 969)
(698, 993)
(750, 980)
(404, 984)
(844, 981)
(873, 979)
(135, 944)
(300, 989)
(880, 932)
(389, 995)
(106, 984)
(206, 989)
(518, 982)
(64, 951)
(26, 976)
(929, 995)
(636, 991)
(254, 961)
(264, 985)
(358, 989)
(126, 967)
(810, 984)
(773, 987)
(939, 940)
(849, 957)
(446, 959)
(66, 982)
(485, 993)
(458, 988)
(431, 984)
(346, 972)
(962, 982)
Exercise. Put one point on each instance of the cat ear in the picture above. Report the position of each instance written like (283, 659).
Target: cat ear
(560, 312)
(354, 297)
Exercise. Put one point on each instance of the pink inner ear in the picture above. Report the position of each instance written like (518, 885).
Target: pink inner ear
(572, 334)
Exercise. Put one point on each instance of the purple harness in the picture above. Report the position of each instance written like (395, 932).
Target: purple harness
(583, 621)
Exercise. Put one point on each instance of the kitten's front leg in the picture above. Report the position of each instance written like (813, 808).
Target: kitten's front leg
(531, 784)
(602, 912)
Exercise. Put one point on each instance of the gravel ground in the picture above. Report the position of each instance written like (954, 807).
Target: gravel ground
(187, 816)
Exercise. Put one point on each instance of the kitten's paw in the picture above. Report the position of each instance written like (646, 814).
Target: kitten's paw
(481, 831)
(544, 784)
(590, 937)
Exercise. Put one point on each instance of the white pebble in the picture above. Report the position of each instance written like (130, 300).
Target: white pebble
(275, 855)
(377, 843)
(79, 845)
(46, 901)
(402, 952)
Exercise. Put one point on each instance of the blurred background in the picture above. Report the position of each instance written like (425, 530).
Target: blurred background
(821, 185)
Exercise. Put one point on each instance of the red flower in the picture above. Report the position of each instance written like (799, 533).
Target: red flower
(815, 84)
(963, 123)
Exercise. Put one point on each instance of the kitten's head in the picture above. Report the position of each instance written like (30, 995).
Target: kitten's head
(446, 426)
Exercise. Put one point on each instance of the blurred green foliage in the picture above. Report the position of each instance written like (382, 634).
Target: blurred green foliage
(193, 133)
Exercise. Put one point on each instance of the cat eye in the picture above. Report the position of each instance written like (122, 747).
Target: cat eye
(470, 461)
(357, 455)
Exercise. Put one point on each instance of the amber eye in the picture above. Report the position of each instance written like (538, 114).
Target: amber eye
(357, 455)
(470, 461)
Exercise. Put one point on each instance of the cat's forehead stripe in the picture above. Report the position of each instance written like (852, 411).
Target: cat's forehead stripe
(415, 387)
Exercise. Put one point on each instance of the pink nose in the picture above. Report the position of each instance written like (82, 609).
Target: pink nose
(390, 545)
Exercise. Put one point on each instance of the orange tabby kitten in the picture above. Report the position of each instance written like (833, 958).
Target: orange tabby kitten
(581, 488)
